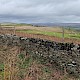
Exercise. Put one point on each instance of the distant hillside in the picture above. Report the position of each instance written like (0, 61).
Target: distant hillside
(16, 24)
(73, 25)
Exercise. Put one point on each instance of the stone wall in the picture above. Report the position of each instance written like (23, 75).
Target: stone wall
(62, 55)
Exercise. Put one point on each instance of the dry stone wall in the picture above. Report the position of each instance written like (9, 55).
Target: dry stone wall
(62, 55)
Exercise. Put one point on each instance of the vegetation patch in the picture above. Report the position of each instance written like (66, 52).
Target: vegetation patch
(56, 34)
(1, 70)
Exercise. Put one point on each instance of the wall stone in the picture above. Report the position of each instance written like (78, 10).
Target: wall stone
(63, 55)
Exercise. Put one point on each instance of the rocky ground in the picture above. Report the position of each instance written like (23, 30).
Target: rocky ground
(38, 59)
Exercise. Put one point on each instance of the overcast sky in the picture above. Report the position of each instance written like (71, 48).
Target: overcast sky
(40, 11)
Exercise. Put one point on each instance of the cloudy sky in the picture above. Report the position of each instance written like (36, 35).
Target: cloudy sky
(40, 11)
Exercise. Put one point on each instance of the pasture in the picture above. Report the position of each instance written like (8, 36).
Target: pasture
(49, 33)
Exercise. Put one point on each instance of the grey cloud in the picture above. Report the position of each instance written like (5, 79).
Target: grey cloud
(40, 10)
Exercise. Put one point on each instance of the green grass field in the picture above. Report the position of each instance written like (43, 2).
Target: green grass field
(75, 35)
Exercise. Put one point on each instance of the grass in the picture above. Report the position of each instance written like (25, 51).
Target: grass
(1, 66)
(57, 34)
(1, 70)
(15, 24)
(30, 66)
